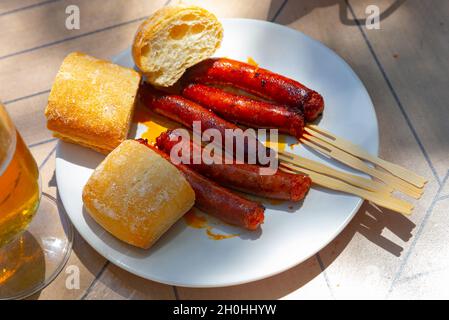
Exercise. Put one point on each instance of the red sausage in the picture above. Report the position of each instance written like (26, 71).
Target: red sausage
(258, 81)
(218, 201)
(243, 177)
(246, 111)
(186, 112)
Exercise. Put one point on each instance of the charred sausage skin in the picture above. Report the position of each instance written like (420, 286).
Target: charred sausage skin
(260, 82)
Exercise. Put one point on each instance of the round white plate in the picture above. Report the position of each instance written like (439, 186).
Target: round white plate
(186, 256)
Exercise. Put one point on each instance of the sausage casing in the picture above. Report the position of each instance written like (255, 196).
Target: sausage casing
(243, 177)
(186, 112)
(260, 82)
(218, 201)
(247, 111)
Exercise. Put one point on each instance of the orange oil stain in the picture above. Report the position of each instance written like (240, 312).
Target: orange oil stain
(196, 221)
(292, 145)
(154, 123)
(218, 236)
(280, 145)
(252, 62)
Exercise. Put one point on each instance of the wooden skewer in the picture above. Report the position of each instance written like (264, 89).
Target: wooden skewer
(380, 199)
(353, 149)
(358, 164)
(357, 181)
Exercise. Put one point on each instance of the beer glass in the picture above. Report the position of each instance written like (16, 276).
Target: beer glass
(35, 236)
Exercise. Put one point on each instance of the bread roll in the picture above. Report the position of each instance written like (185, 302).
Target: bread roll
(92, 102)
(174, 39)
(137, 195)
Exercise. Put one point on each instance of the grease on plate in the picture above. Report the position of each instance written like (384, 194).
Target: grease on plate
(278, 145)
(252, 62)
(292, 145)
(194, 220)
(154, 123)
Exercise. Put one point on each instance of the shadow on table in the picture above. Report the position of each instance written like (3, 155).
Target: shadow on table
(370, 222)
(88, 257)
(304, 7)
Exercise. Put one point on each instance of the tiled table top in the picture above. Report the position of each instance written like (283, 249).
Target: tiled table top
(404, 66)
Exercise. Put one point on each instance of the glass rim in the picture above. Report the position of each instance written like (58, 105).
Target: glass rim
(8, 138)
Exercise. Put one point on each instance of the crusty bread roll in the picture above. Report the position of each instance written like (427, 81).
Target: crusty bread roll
(91, 102)
(173, 39)
(137, 195)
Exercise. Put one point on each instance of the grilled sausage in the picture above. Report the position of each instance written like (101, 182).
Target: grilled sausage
(218, 201)
(186, 112)
(260, 82)
(243, 177)
(243, 110)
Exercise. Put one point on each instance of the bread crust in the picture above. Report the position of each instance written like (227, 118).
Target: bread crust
(92, 101)
(137, 195)
(161, 20)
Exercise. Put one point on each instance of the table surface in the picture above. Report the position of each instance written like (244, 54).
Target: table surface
(404, 66)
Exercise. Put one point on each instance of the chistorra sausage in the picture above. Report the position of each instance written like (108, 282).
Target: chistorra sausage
(258, 81)
(185, 111)
(247, 111)
(218, 201)
(243, 177)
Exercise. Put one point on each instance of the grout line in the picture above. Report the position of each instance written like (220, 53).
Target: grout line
(276, 15)
(88, 290)
(175, 290)
(47, 158)
(49, 44)
(395, 95)
(418, 234)
(326, 278)
(443, 197)
(103, 269)
(27, 7)
(41, 143)
(422, 274)
(421, 146)
(26, 97)
(60, 41)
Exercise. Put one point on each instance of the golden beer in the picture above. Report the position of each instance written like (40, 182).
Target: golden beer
(19, 192)
(29, 260)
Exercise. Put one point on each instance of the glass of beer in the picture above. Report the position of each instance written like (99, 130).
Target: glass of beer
(35, 235)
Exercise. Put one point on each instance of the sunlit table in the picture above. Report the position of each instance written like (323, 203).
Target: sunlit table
(403, 64)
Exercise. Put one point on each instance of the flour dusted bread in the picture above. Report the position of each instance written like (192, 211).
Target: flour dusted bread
(173, 39)
(91, 102)
(137, 195)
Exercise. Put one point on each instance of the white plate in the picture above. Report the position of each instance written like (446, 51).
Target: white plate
(186, 256)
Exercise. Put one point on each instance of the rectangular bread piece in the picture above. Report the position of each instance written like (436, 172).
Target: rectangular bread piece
(91, 102)
(137, 195)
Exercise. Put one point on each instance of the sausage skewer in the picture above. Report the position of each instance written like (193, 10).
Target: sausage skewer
(243, 177)
(247, 111)
(260, 82)
(185, 112)
(218, 201)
